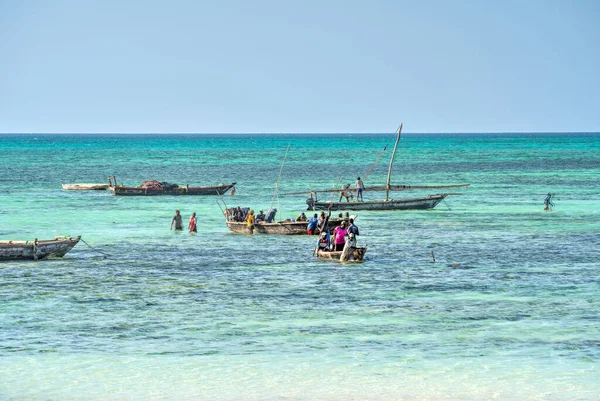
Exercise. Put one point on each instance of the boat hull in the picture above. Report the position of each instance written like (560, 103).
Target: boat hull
(428, 202)
(284, 228)
(358, 254)
(135, 191)
(32, 250)
(278, 228)
(85, 187)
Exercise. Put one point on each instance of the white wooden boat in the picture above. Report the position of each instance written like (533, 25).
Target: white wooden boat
(85, 187)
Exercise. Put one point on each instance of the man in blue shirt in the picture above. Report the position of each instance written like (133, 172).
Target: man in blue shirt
(312, 224)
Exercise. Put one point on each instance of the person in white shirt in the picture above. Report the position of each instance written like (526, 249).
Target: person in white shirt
(360, 186)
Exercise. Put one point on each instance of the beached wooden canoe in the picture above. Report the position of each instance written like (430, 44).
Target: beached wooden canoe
(356, 254)
(37, 249)
(85, 187)
(186, 190)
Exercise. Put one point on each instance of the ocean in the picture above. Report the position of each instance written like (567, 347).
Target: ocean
(509, 309)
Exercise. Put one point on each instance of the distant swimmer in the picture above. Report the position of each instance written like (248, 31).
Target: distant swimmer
(177, 221)
(548, 205)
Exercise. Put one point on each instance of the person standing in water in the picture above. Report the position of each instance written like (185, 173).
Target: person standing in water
(177, 221)
(193, 224)
(548, 205)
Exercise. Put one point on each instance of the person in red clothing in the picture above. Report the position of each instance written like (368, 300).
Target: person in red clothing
(340, 236)
(192, 225)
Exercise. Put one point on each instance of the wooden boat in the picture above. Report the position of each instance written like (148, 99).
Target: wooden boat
(85, 187)
(277, 228)
(427, 202)
(121, 190)
(37, 249)
(357, 254)
(270, 226)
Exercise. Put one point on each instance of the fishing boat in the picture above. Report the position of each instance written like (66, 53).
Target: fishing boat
(354, 254)
(285, 227)
(279, 227)
(235, 218)
(37, 249)
(85, 187)
(426, 202)
(164, 188)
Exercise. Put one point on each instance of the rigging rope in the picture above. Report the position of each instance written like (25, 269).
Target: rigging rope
(94, 249)
(276, 192)
(373, 165)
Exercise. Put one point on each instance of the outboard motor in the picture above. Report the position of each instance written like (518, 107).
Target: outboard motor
(311, 204)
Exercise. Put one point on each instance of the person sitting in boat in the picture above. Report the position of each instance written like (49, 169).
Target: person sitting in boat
(312, 224)
(260, 217)
(237, 214)
(346, 193)
(352, 232)
(339, 236)
(324, 242)
(302, 217)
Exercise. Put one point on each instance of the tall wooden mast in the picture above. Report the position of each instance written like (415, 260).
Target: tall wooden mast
(387, 185)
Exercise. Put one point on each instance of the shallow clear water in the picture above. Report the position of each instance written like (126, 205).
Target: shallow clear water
(171, 316)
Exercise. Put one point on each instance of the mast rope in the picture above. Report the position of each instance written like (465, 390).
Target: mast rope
(276, 192)
(94, 249)
(365, 175)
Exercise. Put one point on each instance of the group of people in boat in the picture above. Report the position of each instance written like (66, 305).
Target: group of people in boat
(334, 242)
(246, 215)
(177, 222)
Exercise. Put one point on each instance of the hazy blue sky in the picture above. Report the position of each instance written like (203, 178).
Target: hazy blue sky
(299, 66)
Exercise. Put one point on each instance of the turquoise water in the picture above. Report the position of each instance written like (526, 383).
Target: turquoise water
(219, 316)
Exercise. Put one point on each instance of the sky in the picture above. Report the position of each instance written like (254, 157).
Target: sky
(328, 66)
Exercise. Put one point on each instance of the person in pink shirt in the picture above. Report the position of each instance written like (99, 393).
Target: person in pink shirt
(340, 236)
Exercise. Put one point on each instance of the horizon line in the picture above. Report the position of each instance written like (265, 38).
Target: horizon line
(297, 133)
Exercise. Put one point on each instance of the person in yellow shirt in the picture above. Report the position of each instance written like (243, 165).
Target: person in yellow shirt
(250, 221)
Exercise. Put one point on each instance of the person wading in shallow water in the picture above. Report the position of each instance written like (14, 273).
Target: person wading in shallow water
(193, 224)
(177, 221)
(548, 205)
